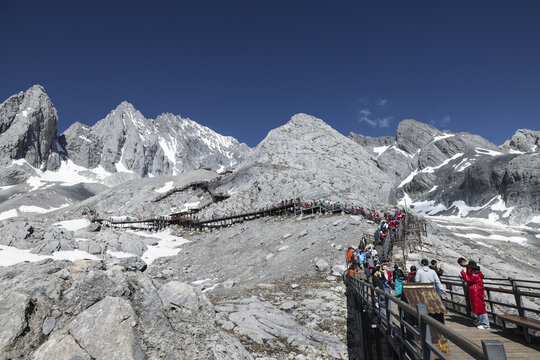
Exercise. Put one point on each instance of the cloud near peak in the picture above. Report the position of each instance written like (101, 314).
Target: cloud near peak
(364, 115)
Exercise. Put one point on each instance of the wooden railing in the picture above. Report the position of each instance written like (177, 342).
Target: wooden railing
(515, 289)
(372, 307)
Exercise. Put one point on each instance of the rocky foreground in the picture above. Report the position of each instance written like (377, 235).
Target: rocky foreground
(93, 310)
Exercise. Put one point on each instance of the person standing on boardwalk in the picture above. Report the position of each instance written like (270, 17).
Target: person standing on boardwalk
(427, 275)
(399, 279)
(438, 270)
(412, 275)
(474, 278)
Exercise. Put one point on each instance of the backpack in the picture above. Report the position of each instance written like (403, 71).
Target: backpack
(350, 254)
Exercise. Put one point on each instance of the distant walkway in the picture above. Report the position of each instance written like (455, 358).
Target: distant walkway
(191, 221)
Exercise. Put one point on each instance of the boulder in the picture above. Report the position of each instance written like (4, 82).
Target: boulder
(338, 270)
(176, 293)
(322, 265)
(48, 325)
(13, 307)
(106, 330)
(61, 347)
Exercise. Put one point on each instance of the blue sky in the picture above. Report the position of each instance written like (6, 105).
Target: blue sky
(243, 68)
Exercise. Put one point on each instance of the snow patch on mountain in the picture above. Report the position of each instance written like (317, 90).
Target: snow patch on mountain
(408, 179)
(73, 225)
(501, 206)
(487, 152)
(8, 214)
(168, 186)
(167, 245)
(431, 169)
(443, 136)
(11, 255)
(39, 210)
(398, 150)
(380, 149)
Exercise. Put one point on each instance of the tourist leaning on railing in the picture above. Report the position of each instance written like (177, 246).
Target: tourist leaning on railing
(474, 278)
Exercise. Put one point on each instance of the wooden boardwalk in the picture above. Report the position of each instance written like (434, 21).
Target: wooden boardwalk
(514, 344)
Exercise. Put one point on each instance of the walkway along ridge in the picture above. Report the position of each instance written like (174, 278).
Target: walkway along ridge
(190, 221)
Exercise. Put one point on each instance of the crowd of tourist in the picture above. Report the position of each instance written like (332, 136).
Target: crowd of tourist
(381, 277)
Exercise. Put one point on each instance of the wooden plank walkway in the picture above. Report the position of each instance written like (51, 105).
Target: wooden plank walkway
(514, 344)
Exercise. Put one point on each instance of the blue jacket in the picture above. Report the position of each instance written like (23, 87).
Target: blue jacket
(398, 286)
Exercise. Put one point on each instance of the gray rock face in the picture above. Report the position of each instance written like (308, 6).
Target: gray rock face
(113, 317)
(520, 185)
(126, 141)
(13, 308)
(523, 141)
(104, 313)
(306, 158)
(460, 173)
(28, 130)
(179, 294)
(261, 322)
(368, 141)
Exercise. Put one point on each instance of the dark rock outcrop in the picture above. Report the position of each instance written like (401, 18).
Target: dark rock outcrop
(28, 129)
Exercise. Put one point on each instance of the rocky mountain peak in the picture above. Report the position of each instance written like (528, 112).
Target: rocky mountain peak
(307, 158)
(128, 142)
(524, 141)
(28, 129)
(302, 119)
(411, 135)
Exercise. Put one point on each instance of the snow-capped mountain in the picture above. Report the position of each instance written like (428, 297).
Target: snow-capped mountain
(461, 173)
(126, 142)
(122, 146)
(42, 172)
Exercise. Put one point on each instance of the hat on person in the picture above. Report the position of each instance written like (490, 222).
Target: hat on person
(424, 262)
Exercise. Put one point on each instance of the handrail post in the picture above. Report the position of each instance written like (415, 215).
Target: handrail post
(387, 310)
(467, 298)
(402, 334)
(425, 332)
(493, 350)
(451, 296)
(373, 300)
(491, 307)
(517, 296)
(519, 305)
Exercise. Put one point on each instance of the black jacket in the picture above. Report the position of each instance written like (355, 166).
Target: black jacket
(378, 282)
(437, 270)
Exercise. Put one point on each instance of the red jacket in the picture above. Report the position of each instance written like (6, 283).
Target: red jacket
(410, 277)
(476, 290)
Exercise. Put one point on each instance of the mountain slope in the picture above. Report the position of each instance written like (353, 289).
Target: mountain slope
(306, 158)
(460, 173)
